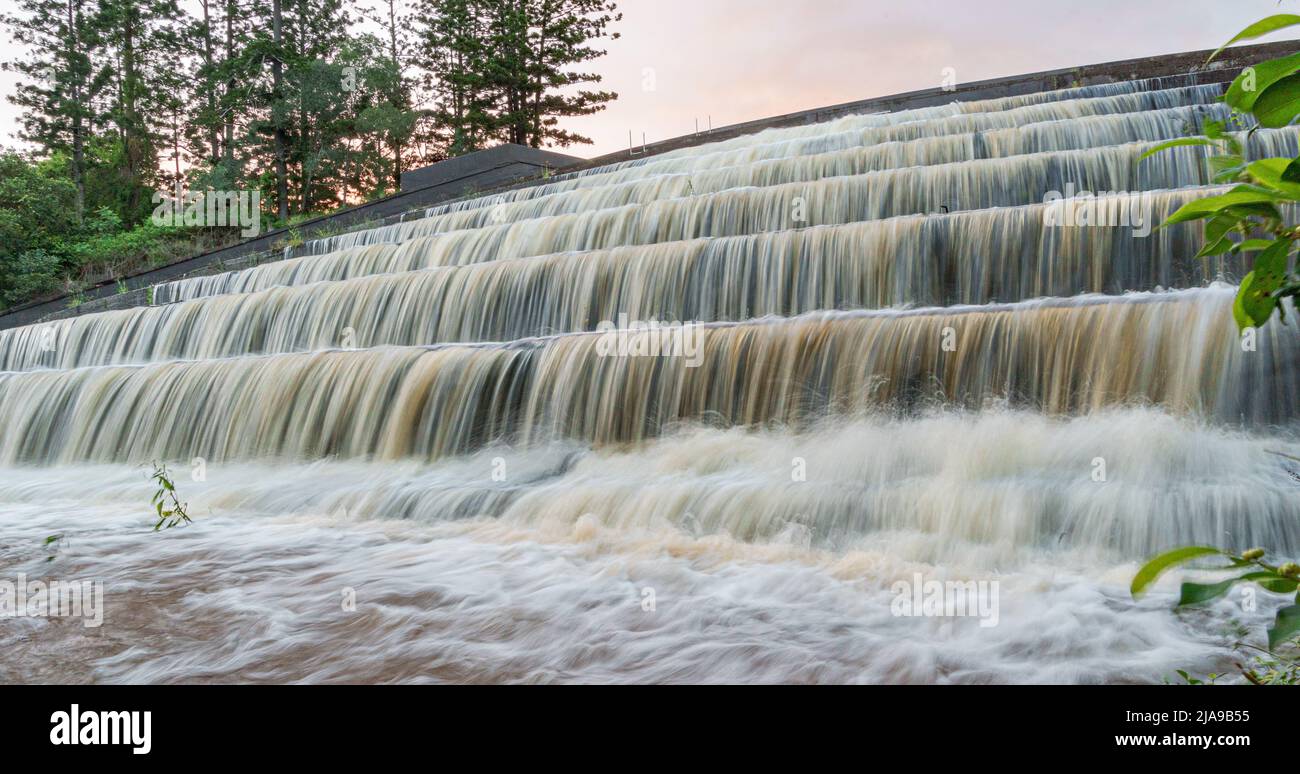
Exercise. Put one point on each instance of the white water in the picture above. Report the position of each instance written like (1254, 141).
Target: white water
(500, 500)
(542, 578)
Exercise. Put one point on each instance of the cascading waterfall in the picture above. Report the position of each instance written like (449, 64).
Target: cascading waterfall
(1191, 101)
(969, 257)
(940, 133)
(945, 149)
(1134, 91)
(764, 377)
(1069, 356)
(969, 185)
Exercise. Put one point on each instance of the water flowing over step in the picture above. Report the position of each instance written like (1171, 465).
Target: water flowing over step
(916, 134)
(947, 149)
(1072, 355)
(1016, 180)
(1122, 90)
(972, 257)
(1101, 121)
(763, 378)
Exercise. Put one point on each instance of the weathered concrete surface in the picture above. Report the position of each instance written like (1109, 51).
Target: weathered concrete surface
(486, 169)
(393, 208)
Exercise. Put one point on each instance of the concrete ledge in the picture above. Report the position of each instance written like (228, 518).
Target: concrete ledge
(487, 168)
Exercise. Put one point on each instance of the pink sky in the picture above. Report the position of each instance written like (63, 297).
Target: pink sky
(737, 60)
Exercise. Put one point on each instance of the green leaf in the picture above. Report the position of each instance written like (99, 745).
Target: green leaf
(1216, 236)
(1218, 227)
(1218, 131)
(1285, 626)
(1200, 593)
(1225, 167)
(1166, 145)
(1292, 172)
(1271, 581)
(1270, 172)
(1253, 306)
(1217, 247)
(1159, 564)
(1242, 195)
(1259, 29)
(1254, 80)
(1279, 104)
(1270, 265)
(1252, 245)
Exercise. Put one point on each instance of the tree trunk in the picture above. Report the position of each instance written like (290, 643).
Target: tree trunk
(228, 149)
(397, 100)
(214, 141)
(281, 141)
(132, 141)
(78, 129)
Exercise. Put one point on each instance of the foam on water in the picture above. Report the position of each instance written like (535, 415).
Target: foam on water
(754, 576)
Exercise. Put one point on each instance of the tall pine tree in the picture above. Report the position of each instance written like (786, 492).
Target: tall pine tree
(507, 70)
(61, 80)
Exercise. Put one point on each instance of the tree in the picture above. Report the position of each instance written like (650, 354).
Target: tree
(502, 68)
(558, 36)
(278, 108)
(454, 55)
(141, 38)
(36, 208)
(393, 117)
(62, 81)
(224, 71)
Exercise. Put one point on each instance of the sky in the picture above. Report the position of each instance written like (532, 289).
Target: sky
(727, 61)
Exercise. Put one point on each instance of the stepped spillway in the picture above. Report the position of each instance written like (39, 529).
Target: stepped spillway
(758, 381)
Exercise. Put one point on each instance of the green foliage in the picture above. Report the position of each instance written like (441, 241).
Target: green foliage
(1266, 667)
(1248, 567)
(1258, 30)
(53, 543)
(503, 69)
(1188, 679)
(1271, 668)
(170, 510)
(29, 274)
(1154, 568)
(1248, 219)
(122, 98)
(45, 249)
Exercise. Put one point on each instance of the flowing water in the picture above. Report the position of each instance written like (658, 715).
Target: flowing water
(686, 418)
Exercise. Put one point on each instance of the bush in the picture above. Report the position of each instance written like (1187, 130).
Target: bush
(30, 274)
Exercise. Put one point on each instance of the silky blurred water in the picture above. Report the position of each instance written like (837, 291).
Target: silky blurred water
(410, 455)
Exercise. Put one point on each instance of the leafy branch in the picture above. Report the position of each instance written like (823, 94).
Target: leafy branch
(1251, 567)
(171, 511)
(1247, 219)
